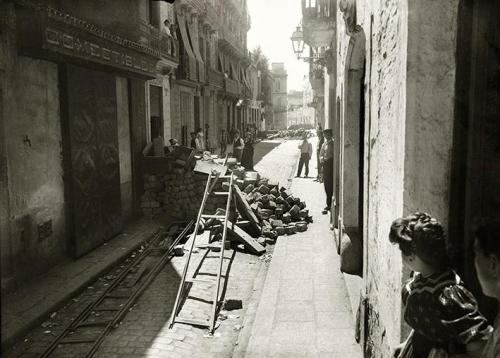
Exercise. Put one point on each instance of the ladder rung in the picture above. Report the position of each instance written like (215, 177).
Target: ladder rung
(194, 322)
(200, 280)
(225, 176)
(220, 193)
(213, 216)
(210, 247)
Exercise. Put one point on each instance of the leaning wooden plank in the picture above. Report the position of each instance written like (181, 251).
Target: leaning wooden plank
(207, 167)
(247, 213)
(250, 243)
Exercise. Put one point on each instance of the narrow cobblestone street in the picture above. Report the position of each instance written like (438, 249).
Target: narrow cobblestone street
(144, 332)
(304, 310)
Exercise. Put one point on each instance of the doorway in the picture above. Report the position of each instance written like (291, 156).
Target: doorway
(90, 157)
(155, 112)
(475, 185)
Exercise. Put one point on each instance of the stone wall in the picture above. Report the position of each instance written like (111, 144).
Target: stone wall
(125, 154)
(409, 93)
(33, 162)
(430, 105)
(385, 147)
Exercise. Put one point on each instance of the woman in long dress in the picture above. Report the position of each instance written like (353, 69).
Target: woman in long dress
(238, 146)
(247, 156)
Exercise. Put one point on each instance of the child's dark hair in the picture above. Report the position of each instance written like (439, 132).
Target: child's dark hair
(487, 235)
(422, 235)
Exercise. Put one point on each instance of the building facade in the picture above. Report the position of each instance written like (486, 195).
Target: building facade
(212, 82)
(409, 94)
(74, 121)
(280, 106)
(86, 90)
(300, 113)
(266, 99)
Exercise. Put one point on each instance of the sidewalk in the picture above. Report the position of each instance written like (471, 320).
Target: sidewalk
(304, 310)
(29, 305)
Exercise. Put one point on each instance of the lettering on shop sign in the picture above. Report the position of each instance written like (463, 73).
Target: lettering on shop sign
(73, 45)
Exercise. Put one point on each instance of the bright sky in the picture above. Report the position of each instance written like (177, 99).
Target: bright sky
(273, 22)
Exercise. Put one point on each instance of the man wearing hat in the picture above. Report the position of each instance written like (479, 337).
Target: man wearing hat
(326, 159)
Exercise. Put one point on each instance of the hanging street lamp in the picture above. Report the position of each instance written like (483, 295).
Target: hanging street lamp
(298, 42)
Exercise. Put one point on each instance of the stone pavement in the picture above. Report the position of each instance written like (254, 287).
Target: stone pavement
(33, 302)
(280, 163)
(304, 309)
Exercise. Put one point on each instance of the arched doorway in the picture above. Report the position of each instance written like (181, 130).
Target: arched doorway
(353, 135)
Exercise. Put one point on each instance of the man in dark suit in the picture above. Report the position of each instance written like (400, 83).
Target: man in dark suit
(326, 158)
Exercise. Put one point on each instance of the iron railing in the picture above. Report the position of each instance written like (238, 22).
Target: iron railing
(318, 8)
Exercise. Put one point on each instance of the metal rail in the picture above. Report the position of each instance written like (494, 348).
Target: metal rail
(79, 321)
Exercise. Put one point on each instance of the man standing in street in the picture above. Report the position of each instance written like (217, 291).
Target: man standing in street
(305, 155)
(326, 158)
(321, 140)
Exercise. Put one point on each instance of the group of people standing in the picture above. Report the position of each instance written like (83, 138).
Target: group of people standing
(324, 153)
(243, 148)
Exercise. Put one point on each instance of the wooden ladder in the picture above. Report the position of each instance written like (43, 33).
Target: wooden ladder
(209, 323)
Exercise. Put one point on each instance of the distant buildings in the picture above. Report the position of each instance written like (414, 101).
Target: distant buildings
(280, 105)
(300, 112)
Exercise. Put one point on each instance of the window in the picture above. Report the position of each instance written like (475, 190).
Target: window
(155, 112)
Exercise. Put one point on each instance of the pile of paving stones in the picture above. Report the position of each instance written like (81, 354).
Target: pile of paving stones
(277, 209)
(291, 134)
(179, 194)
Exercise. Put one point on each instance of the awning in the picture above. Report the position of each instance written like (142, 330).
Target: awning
(246, 78)
(223, 70)
(193, 32)
(185, 39)
(234, 70)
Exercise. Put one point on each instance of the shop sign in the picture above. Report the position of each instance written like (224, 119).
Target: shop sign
(94, 50)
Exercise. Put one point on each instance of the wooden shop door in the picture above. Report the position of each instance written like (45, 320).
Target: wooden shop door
(92, 170)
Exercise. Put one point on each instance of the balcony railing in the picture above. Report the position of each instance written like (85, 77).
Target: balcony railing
(166, 44)
(196, 4)
(232, 87)
(318, 8)
(215, 78)
(232, 39)
(318, 22)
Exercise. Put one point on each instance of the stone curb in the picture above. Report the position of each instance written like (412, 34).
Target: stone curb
(246, 331)
(11, 334)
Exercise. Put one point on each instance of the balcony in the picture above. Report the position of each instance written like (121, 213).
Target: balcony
(317, 78)
(318, 22)
(211, 13)
(165, 44)
(188, 68)
(230, 42)
(215, 79)
(198, 5)
(232, 87)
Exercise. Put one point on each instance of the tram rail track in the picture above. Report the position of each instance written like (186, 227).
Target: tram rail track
(114, 302)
